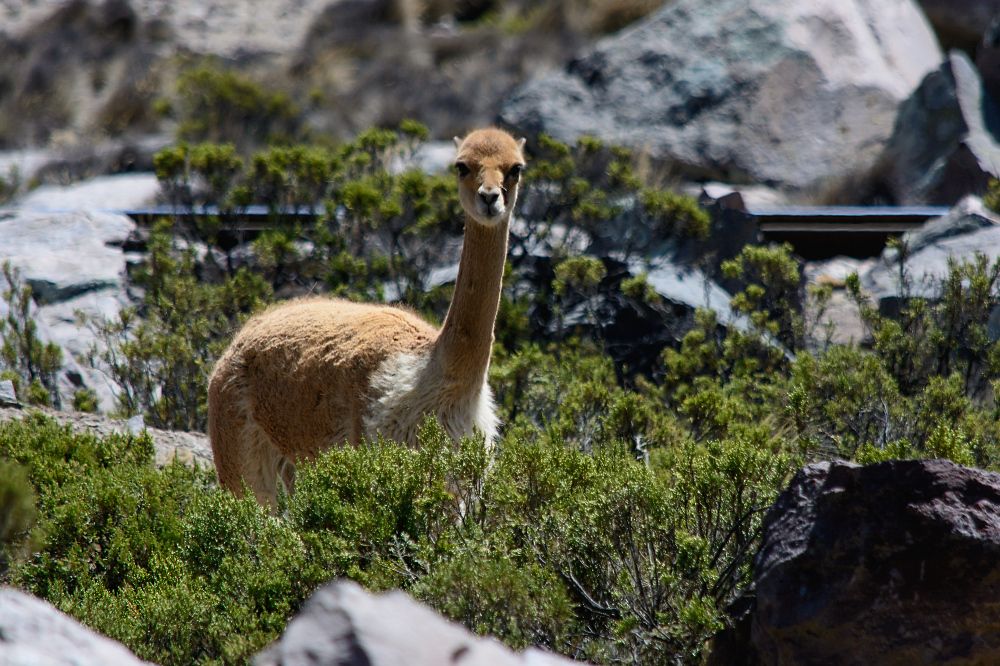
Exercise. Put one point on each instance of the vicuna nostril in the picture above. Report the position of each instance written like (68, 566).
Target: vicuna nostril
(489, 198)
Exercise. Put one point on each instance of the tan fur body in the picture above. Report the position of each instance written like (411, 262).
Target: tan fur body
(310, 374)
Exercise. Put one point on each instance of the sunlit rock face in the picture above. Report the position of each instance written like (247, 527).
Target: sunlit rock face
(783, 92)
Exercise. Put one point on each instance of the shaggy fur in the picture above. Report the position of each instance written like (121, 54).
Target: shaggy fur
(310, 374)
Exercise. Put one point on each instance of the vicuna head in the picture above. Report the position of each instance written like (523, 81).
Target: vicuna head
(489, 164)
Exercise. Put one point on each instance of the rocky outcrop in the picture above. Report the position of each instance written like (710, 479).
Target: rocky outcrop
(945, 141)
(120, 192)
(343, 624)
(783, 92)
(64, 255)
(967, 230)
(187, 447)
(33, 633)
(73, 262)
(891, 563)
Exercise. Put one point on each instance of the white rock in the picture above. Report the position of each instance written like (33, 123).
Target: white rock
(7, 394)
(123, 191)
(431, 157)
(72, 263)
(34, 633)
(834, 272)
(62, 255)
(344, 624)
(755, 197)
(135, 425)
(929, 264)
(58, 323)
(689, 286)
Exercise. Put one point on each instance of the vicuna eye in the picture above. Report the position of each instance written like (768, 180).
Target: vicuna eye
(463, 170)
(515, 171)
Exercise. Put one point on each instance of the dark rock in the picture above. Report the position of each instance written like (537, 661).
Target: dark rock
(781, 92)
(35, 633)
(891, 563)
(960, 23)
(944, 144)
(733, 645)
(988, 58)
(343, 625)
(633, 331)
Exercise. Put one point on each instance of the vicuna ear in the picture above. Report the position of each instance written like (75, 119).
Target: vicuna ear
(458, 143)
(521, 142)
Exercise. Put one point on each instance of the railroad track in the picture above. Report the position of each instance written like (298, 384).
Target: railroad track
(816, 232)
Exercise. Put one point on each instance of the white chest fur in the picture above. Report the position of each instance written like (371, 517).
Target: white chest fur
(408, 388)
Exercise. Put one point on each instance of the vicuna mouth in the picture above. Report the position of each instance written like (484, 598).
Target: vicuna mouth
(488, 211)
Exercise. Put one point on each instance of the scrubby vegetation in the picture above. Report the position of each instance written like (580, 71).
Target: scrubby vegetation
(24, 359)
(619, 516)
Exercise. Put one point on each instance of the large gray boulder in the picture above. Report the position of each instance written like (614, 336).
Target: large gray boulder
(72, 262)
(35, 633)
(62, 255)
(784, 92)
(118, 192)
(343, 625)
(891, 563)
(945, 141)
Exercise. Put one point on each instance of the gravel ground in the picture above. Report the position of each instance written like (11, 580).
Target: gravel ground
(187, 446)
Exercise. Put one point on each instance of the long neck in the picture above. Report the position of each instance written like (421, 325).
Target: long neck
(466, 339)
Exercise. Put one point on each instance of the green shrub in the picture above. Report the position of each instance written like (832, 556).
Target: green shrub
(590, 184)
(992, 198)
(555, 547)
(31, 364)
(163, 360)
(17, 510)
(85, 400)
(222, 106)
(936, 339)
(10, 185)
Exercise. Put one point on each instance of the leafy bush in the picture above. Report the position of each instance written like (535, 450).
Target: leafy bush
(937, 339)
(24, 359)
(224, 106)
(590, 185)
(17, 510)
(591, 554)
(163, 359)
(613, 524)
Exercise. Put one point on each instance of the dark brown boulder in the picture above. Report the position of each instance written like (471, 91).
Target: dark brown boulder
(891, 563)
